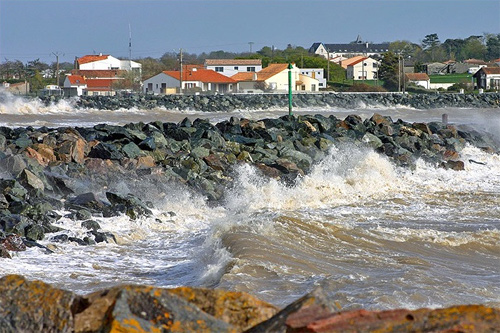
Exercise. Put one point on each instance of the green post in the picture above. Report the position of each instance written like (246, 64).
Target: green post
(290, 89)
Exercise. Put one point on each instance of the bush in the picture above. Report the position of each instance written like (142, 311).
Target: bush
(363, 87)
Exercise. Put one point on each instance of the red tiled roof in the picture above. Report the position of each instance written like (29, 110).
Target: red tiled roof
(491, 70)
(91, 58)
(77, 80)
(233, 62)
(99, 84)
(271, 71)
(202, 75)
(349, 61)
(417, 76)
(475, 62)
(262, 75)
(102, 73)
(245, 76)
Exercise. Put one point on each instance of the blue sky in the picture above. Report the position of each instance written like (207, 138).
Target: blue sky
(39, 28)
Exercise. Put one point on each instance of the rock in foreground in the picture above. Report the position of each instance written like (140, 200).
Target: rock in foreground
(34, 306)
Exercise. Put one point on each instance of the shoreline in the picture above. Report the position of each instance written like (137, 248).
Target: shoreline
(232, 102)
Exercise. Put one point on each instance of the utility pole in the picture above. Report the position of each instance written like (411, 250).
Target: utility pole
(290, 89)
(328, 67)
(180, 80)
(57, 66)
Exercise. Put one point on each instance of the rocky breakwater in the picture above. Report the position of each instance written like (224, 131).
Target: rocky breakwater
(216, 103)
(33, 306)
(45, 171)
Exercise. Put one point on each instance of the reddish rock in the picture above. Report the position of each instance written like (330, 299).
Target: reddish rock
(453, 165)
(144, 162)
(215, 162)
(451, 155)
(316, 313)
(269, 171)
(13, 243)
(378, 119)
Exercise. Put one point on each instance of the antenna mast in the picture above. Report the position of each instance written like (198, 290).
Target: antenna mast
(130, 46)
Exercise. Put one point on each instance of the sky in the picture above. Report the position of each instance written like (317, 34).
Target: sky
(42, 29)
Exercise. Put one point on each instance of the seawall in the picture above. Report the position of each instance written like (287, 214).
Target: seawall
(226, 103)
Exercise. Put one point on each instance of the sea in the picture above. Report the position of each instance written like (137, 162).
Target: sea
(371, 234)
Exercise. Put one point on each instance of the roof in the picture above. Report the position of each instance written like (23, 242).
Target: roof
(245, 76)
(233, 62)
(99, 84)
(271, 71)
(314, 47)
(358, 48)
(475, 62)
(353, 60)
(202, 75)
(491, 70)
(95, 73)
(76, 79)
(91, 58)
(417, 76)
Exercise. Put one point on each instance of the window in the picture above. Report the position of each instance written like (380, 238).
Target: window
(219, 69)
(235, 68)
(250, 69)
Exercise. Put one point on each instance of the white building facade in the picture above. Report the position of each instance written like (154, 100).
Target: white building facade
(230, 67)
(315, 73)
(363, 69)
(106, 62)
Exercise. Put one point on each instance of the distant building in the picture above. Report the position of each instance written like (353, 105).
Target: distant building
(194, 80)
(106, 62)
(350, 50)
(274, 78)
(78, 85)
(315, 73)
(419, 79)
(21, 88)
(361, 68)
(74, 85)
(488, 78)
(230, 67)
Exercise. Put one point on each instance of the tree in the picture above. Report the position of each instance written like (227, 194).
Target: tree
(389, 71)
(453, 48)
(431, 45)
(473, 49)
(492, 46)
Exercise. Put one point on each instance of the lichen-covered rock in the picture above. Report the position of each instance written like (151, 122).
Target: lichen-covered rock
(239, 309)
(315, 312)
(34, 306)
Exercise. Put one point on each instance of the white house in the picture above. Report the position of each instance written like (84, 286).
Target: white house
(193, 80)
(358, 47)
(488, 78)
(419, 79)
(275, 78)
(106, 62)
(230, 67)
(362, 68)
(74, 85)
(315, 73)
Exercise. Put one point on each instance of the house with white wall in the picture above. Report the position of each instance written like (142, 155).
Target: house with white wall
(488, 78)
(274, 78)
(419, 79)
(106, 62)
(315, 73)
(358, 47)
(362, 68)
(74, 85)
(230, 67)
(194, 79)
